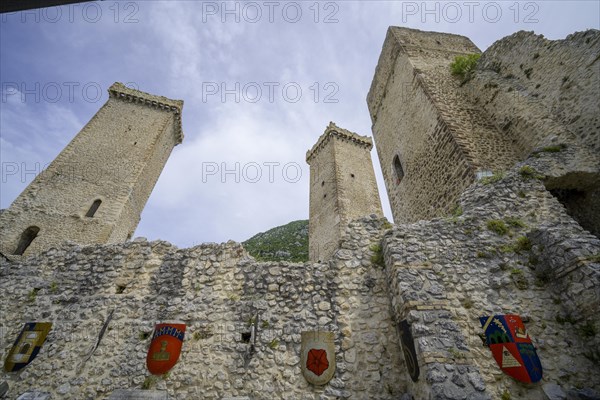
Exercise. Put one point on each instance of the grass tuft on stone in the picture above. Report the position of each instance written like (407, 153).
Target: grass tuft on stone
(497, 226)
(149, 382)
(593, 258)
(528, 172)
(33, 295)
(467, 303)
(519, 279)
(515, 222)
(457, 211)
(495, 177)
(555, 148)
(377, 256)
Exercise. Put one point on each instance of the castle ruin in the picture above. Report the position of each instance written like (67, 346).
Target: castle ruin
(96, 188)
(493, 182)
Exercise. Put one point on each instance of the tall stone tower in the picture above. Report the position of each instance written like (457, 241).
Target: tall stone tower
(432, 141)
(96, 189)
(342, 188)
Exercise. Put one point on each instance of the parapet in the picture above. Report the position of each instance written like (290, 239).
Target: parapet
(122, 92)
(332, 131)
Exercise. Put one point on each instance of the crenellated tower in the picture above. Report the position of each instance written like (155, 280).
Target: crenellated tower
(96, 188)
(342, 188)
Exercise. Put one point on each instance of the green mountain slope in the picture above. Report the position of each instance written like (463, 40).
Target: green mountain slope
(283, 243)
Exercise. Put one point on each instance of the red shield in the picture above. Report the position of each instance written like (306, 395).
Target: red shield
(317, 356)
(512, 348)
(165, 347)
(317, 361)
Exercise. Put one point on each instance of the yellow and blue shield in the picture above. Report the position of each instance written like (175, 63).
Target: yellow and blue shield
(27, 346)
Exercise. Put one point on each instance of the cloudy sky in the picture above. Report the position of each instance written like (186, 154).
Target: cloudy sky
(260, 81)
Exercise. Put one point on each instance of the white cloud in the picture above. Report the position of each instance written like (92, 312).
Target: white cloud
(174, 48)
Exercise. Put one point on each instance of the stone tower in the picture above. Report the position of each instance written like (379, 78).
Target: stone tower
(96, 188)
(342, 188)
(432, 142)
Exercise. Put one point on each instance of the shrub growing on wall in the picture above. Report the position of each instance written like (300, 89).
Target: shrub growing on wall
(462, 65)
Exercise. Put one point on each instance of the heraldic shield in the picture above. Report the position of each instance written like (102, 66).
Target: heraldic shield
(409, 351)
(317, 356)
(27, 346)
(165, 347)
(512, 348)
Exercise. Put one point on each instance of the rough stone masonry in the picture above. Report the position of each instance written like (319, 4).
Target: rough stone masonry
(510, 244)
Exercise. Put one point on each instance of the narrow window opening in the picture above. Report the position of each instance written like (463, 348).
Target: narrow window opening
(398, 170)
(325, 195)
(26, 238)
(246, 337)
(323, 183)
(93, 208)
(352, 175)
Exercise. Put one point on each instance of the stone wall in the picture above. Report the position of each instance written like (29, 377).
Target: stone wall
(440, 276)
(342, 188)
(116, 158)
(555, 79)
(544, 94)
(220, 293)
(446, 273)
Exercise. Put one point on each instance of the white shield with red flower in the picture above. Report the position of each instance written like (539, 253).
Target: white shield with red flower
(317, 358)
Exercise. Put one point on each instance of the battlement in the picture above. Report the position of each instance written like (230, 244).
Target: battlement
(119, 91)
(333, 131)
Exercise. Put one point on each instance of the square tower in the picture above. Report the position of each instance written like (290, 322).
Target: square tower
(342, 188)
(96, 188)
(432, 140)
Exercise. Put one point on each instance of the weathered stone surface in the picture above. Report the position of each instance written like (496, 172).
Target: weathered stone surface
(221, 294)
(435, 133)
(554, 392)
(513, 245)
(463, 256)
(35, 396)
(95, 190)
(550, 109)
(342, 188)
(124, 394)
(582, 394)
